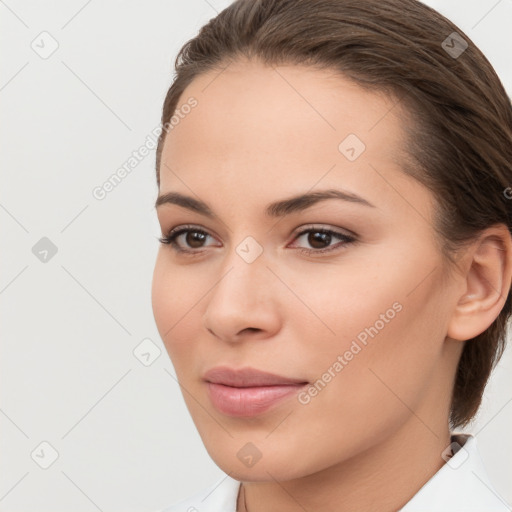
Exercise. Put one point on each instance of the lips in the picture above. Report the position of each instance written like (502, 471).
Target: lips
(247, 377)
(248, 392)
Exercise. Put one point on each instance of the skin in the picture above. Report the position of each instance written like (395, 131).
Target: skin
(375, 433)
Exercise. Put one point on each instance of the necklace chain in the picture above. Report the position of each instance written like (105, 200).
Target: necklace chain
(242, 494)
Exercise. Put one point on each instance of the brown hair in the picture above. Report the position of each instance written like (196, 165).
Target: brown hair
(459, 142)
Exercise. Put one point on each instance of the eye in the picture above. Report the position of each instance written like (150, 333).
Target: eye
(194, 238)
(321, 238)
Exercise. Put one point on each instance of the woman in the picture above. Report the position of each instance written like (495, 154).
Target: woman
(333, 283)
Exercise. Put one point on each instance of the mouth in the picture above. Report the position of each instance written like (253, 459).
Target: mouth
(248, 392)
(247, 377)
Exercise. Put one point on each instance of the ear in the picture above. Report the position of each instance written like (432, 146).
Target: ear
(487, 283)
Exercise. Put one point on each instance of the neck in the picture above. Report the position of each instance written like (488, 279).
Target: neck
(384, 477)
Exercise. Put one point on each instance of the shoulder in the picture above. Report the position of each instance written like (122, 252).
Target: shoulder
(221, 496)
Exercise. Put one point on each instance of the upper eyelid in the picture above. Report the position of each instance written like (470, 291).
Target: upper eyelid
(302, 227)
(328, 227)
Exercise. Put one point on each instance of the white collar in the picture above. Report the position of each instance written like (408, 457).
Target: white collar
(461, 485)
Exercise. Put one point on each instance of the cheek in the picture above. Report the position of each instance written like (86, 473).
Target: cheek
(160, 298)
(351, 301)
(383, 321)
(173, 298)
(390, 349)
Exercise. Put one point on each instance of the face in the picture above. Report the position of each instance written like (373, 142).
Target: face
(346, 295)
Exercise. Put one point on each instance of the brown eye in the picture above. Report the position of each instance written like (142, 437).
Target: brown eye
(192, 238)
(320, 239)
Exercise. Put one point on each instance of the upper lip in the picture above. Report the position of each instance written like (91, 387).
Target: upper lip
(247, 377)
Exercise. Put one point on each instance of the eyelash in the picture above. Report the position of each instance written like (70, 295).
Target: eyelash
(170, 239)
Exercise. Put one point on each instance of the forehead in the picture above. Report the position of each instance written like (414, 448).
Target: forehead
(276, 131)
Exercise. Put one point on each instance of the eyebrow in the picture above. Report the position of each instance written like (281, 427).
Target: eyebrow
(276, 209)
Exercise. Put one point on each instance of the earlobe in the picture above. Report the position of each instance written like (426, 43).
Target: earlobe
(487, 284)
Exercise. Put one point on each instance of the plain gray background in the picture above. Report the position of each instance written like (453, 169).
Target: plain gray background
(117, 424)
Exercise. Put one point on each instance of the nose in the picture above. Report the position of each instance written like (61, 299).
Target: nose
(244, 302)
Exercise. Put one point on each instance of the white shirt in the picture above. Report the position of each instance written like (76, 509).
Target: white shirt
(461, 485)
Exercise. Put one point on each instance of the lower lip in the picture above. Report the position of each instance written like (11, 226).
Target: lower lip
(249, 401)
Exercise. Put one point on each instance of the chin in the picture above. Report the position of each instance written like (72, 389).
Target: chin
(268, 468)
